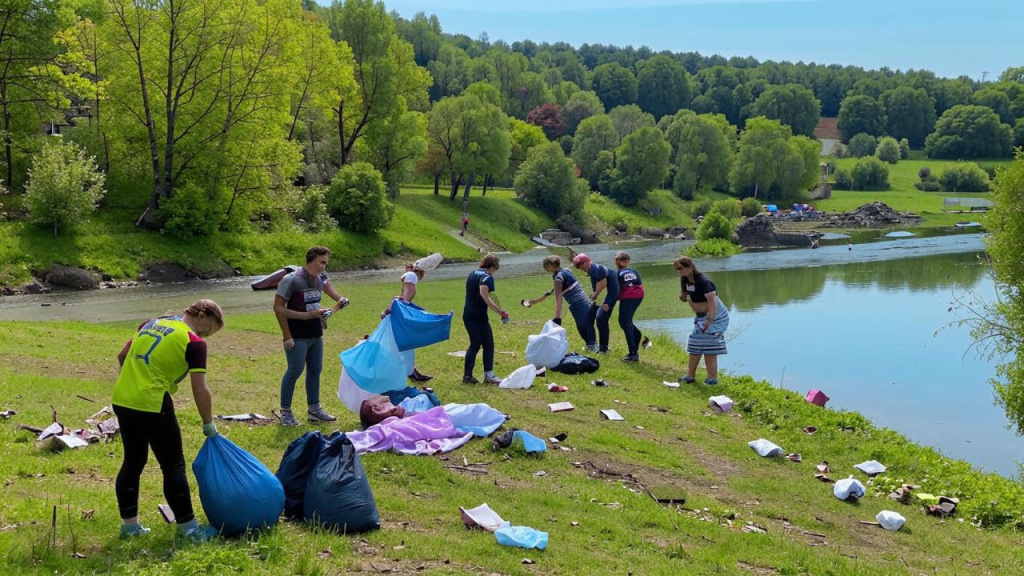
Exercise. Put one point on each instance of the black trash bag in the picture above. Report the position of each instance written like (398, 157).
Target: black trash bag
(577, 364)
(338, 495)
(505, 440)
(299, 459)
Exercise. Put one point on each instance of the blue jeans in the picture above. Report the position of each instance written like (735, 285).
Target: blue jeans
(308, 354)
(599, 317)
(627, 308)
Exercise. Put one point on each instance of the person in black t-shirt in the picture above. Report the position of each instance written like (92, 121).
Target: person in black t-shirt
(479, 287)
(710, 322)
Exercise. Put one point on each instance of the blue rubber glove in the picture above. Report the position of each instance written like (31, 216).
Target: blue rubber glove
(210, 430)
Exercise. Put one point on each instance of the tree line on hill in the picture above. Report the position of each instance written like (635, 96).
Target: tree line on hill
(203, 115)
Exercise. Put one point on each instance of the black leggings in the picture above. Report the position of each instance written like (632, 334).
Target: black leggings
(159, 430)
(480, 336)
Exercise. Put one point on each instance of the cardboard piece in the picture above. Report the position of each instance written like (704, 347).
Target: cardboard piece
(482, 517)
(611, 415)
(561, 406)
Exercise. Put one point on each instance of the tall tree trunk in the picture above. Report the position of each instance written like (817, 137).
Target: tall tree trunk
(487, 180)
(456, 180)
(437, 183)
(8, 153)
(469, 186)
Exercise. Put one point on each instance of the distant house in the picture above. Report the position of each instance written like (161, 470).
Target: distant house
(827, 132)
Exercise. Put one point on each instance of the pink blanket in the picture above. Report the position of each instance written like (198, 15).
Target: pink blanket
(423, 433)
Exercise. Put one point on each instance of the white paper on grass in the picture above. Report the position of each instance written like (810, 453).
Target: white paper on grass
(612, 415)
(890, 520)
(871, 467)
(483, 517)
(522, 378)
(765, 448)
(560, 406)
(670, 384)
(720, 403)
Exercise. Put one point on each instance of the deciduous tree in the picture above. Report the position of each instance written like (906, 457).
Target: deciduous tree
(594, 135)
(791, 104)
(614, 84)
(547, 181)
(663, 86)
(860, 114)
(704, 149)
(910, 114)
(969, 132)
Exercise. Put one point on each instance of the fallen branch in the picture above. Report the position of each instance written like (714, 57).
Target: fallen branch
(468, 469)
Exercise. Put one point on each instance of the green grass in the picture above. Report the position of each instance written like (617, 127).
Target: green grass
(668, 439)
(902, 195)
(671, 212)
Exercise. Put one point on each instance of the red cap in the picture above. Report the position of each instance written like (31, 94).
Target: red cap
(580, 260)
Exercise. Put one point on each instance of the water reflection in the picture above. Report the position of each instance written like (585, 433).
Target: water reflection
(877, 338)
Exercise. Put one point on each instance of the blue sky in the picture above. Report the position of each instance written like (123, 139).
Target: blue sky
(949, 37)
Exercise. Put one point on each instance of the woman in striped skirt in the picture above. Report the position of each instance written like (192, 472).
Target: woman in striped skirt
(710, 322)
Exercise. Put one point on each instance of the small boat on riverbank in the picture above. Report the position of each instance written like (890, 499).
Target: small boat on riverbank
(270, 281)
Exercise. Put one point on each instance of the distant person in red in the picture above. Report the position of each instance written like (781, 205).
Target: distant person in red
(465, 223)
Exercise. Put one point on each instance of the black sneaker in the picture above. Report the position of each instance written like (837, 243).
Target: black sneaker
(417, 376)
(631, 358)
(469, 380)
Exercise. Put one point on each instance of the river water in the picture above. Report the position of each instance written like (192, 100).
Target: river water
(868, 323)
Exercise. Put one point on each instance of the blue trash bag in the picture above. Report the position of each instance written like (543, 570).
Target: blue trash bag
(377, 365)
(414, 327)
(296, 465)
(521, 537)
(237, 491)
(338, 495)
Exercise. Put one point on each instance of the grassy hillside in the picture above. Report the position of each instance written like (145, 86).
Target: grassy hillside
(591, 498)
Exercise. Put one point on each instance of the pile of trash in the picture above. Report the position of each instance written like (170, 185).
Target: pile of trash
(873, 215)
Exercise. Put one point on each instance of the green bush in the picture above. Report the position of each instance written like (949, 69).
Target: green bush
(715, 225)
(844, 179)
(928, 186)
(964, 177)
(888, 150)
(64, 186)
(727, 207)
(862, 145)
(357, 199)
(547, 182)
(751, 207)
(870, 173)
(904, 148)
(191, 212)
(700, 207)
(313, 210)
(716, 247)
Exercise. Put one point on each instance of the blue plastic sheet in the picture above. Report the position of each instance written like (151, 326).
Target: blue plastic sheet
(237, 491)
(530, 442)
(414, 327)
(377, 365)
(521, 537)
(480, 419)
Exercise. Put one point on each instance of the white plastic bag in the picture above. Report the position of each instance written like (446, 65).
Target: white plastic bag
(847, 488)
(429, 263)
(350, 394)
(521, 378)
(765, 448)
(549, 347)
(890, 520)
(871, 467)
(720, 403)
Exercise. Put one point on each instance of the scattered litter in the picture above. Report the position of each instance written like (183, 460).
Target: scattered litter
(902, 494)
(824, 478)
(561, 406)
(252, 417)
(810, 429)
(945, 507)
(526, 561)
(556, 388)
(84, 398)
(521, 537)
(540, 474)
(890, 520)
(457, 354)
(8, 413)
(542, 371)
(508, 353)
(482, 517)
(530, 442)
(871, 467)
(817, 397)
(558, 438)
(640, 428)
(166, 513)
(752, 528)
(926, 498)
(520, 379)
(765, 448)
(78, 555)
(599, 382)
(849, 488)
(823, 467)
(720, 404)
(794, 457)
(57, 437)
(611, 415)
(574, 524)
(670, 384)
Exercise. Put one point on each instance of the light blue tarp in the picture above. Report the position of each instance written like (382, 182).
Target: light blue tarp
(414, 327)
(377, 365)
